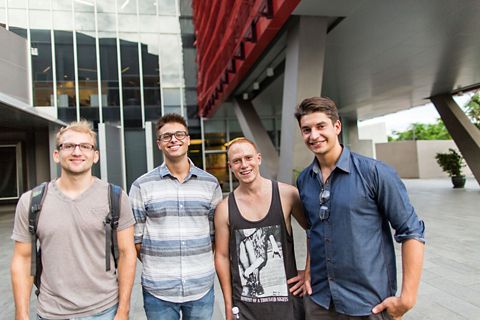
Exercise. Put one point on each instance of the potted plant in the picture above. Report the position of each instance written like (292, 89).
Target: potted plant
(452, 163)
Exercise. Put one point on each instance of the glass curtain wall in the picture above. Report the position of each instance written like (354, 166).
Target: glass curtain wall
(99, 56)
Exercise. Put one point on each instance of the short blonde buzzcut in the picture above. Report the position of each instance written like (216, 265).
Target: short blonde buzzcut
(241, 140)
(82, 126)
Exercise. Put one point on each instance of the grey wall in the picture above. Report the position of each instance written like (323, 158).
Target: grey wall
(416, 159)
(14, 66)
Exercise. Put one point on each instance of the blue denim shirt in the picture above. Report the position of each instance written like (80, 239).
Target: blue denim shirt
(352, 254)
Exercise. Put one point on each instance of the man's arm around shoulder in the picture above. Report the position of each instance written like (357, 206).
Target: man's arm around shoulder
(22, 281)
(222, 254)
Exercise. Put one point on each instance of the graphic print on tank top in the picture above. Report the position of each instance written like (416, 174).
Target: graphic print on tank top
(261, 265)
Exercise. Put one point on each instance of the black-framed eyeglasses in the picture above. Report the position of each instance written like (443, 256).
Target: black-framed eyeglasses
(324, 212)
(166, 137)
(70, 147)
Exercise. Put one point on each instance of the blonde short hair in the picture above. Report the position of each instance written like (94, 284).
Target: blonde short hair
(82, 126)
(240, 140)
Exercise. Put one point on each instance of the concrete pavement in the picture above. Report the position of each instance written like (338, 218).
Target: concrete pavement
(450, 287)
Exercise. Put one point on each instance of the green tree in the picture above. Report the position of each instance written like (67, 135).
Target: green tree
(422, 131)
(472, 109)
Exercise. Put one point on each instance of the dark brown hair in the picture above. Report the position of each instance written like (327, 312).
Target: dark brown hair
(171, 117)
(317, 104)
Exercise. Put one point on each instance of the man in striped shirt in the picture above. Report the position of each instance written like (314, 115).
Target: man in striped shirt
(173, 206)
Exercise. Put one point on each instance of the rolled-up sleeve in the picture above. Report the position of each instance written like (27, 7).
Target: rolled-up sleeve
(393, 201)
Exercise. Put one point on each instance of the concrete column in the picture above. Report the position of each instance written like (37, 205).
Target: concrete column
(303, 77)
(462, 130)
(112, 165)
(254, 130)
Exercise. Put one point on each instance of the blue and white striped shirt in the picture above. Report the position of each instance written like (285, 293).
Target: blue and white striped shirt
(174, 224)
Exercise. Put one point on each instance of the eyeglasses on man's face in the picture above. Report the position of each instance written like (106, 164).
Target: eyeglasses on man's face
(70, 147)
(167, 136)
(324, 212)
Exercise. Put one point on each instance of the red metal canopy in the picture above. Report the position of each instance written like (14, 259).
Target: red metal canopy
(230, 36)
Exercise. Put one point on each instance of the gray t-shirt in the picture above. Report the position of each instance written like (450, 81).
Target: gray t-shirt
(74, 282)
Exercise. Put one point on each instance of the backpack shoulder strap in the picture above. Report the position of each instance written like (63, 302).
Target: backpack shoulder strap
(36, 202)
(111, 225)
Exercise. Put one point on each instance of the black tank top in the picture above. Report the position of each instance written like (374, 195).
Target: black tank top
(262, 260)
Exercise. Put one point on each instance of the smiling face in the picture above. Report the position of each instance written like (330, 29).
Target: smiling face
(176, 148)
(77, 161)
(320, 133)
(244, 161)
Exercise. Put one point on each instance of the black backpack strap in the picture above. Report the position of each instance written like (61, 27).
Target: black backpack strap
(36, 202)
(111, 225)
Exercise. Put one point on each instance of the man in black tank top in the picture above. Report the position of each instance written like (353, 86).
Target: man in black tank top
(254, 255)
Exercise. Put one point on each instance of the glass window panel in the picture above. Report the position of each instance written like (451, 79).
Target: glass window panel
(151, 76)
(85, 21)
(8, 174)
(39, 4)
(106, 6)
(62, 20)
(19, 31)
(150, 24)
(172, 109)
(87, 71)
(147, 7)
(169, 25)
(3, 16)
(17, 18)
(171, 97)
(130, 81)
(62, 5)
(65, 68)
(21, 4)
(127, 23)
(106, 22)
(42, 74)
(84, 6)
(167, 7)
(109, 72)
(40, 19)
(127, 6)
(171, 59)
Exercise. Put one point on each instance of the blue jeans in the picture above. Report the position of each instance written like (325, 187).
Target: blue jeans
(107, 314)
(157, 309)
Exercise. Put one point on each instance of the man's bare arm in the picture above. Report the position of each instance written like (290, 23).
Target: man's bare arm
(22, 281)
(222, 255)
(126, 271)
(412, 264)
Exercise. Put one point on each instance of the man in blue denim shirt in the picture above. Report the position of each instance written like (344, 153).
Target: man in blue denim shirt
(351, 202)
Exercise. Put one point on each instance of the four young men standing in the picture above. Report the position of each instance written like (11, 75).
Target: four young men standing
(350, 202)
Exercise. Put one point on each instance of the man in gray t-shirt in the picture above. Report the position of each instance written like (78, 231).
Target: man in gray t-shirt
(74, 280)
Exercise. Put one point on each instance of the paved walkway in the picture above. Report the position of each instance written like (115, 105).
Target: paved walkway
(450, 286)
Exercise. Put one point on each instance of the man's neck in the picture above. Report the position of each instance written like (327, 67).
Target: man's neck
(255, 188)
(179, 168)
(328, 161)
(74, 185)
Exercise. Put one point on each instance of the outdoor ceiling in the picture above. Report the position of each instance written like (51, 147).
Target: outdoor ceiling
(387, 55)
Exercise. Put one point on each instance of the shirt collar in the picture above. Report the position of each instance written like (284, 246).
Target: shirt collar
(193, 171)
(343, 163)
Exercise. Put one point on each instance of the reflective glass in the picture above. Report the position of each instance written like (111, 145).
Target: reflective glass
(106, 22)
(109, 76)
(65, 71)
(39, 4)
(40, 19)
(17, 18)
(171, 60)
(62, 20)
(151, 76)
(131, 81)
(167, 7)
(171, 97)
(42, 73)
(18, 4)
(147, 7)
